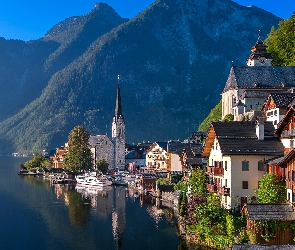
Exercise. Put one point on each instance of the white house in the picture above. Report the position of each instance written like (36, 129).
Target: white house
(237, 152)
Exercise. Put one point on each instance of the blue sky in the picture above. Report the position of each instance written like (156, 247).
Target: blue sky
(29, 19)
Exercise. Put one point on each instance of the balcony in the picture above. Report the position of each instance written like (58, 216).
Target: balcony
(288, 133)
(217, 171)
(224, 191)
(211, 187)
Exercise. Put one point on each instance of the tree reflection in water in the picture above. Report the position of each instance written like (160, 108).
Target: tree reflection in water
(79, 208)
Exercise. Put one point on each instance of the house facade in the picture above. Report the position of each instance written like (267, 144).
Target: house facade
(236, 153)
(58, 157)
(277, 105)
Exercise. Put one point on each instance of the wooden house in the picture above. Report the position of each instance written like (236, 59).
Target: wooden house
(283, 214)
(276, 106)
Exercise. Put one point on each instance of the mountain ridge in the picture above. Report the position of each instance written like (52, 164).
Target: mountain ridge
(173, 66)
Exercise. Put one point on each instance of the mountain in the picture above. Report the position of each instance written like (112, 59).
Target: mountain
(173, 59)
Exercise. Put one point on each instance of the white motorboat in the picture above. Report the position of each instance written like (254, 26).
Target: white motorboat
(93, 181)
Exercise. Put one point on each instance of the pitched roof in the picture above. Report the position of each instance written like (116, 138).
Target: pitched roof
(280, 212)
(285, 120)
(245, 77)
(95, 140)
(239, 138)
(282, 99)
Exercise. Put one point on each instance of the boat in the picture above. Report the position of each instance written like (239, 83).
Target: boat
(93, 181)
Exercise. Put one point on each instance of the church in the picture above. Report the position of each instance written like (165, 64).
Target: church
(112, 150)
(248, 87)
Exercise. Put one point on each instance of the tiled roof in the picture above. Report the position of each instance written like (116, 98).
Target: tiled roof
(280, 212)
(282, 99)
(255, 94)
(246, 77)
(239, 138)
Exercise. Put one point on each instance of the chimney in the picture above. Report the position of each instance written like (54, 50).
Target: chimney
(260, 129)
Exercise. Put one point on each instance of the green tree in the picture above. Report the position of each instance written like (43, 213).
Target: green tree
(281, 43)
(38, 162)
(79, 156)
(214, 115)
(228, 118)
(271, 189)
(102, 165)
(197, 182)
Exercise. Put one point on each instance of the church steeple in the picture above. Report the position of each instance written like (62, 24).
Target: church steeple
(118, 132)
(259, 56)
(118, 109)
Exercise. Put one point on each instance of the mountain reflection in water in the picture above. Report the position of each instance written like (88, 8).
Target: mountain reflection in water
(38, 215)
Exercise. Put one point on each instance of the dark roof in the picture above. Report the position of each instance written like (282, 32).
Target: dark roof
(282, 99)
(247, 77)
(136, 154)
(280, 212)
(239, 138)
(261, 247)
(282, 161)
(95, 140)
(254, 93)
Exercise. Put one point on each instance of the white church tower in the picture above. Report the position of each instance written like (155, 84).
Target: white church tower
(118, 132)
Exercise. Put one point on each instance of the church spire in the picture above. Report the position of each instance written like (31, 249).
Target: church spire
(118, 109)
(259, 56)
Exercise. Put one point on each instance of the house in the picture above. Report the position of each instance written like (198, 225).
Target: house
(252, 84)
(285, 166)
(135, 158)
(165, 156)
(281, 213)
(101, 146)
(277, 105)
(191, 156)
(236, 153)
(58, 157)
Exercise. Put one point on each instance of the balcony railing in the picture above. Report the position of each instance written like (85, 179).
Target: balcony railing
(288, 133)
(211, 187)
(224, 191)
(217, 171)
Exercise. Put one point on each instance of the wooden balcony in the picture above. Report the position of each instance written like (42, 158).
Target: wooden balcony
(288, 133)
(212, 188)
(217, 171)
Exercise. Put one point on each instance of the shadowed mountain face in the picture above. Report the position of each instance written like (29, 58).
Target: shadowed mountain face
(173, 59)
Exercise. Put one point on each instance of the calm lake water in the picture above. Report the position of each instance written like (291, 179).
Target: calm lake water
(37, 215)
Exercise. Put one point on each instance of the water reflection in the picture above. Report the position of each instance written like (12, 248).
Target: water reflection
(79, 208)
(121, 218)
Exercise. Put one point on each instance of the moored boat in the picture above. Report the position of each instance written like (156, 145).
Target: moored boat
(93, 181)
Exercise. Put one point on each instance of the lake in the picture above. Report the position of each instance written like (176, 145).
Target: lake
(37, 215)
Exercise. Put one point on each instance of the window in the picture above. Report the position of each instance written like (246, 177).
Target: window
(225, 165)
(245, 184)
(260, 166)
(225, 183)
(245, 165)
(234, 100)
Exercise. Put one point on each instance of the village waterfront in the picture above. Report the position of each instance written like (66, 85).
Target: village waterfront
(37, 215)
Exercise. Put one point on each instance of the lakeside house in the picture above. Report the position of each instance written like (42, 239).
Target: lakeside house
(236, 153)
